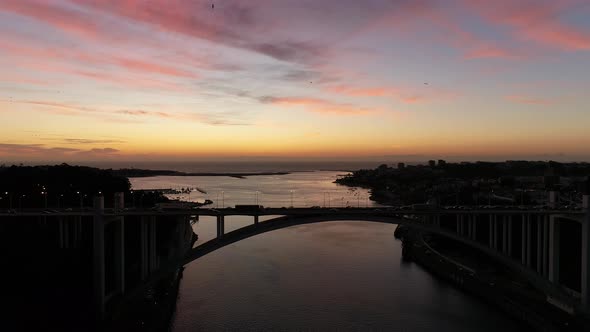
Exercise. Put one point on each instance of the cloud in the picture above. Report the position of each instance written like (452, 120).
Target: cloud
(536, 21)
(405, 95)
(91, 141)
(215, 119)
(529, 100)
(317, 105)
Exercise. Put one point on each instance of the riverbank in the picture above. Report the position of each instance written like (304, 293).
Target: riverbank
(480, 276)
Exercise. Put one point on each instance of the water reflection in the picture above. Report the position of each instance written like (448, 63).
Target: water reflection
(332, 275)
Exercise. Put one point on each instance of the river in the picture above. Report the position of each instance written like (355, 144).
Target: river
(341, 275)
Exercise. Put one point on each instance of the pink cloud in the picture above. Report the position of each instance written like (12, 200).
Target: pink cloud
(529, 100)
(317, 105)
(405, 95)
(536, 21)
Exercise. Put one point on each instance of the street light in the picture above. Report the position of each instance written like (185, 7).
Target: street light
(44, 193)
(9, 199)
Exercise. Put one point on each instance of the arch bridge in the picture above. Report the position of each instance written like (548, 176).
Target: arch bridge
(527, 241)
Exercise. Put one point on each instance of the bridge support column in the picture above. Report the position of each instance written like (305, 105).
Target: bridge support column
(528, 241)
(539, 223)
(75, 232)
(220, 226)
(509, 234)
(256, 219)
(523, 240)
(119, 245)
(60, 233)
(144, 259)
(98, 257)
(504, 235)
(491, 232)
(545, 245)
(586, 261)
(554, 250)
(496, 232)
(153, 254)
(474, 227)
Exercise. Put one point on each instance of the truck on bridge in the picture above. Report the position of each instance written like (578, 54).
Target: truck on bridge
(248, 207)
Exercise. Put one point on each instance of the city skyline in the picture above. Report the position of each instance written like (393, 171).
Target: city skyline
(176, 80)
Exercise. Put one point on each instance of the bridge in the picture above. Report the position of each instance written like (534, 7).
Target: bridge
(525, 240)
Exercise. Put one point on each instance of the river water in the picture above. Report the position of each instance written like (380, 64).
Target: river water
(341, 275)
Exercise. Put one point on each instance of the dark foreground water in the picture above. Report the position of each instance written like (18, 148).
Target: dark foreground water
(344, 275)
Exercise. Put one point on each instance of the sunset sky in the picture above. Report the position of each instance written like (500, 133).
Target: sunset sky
(178, 79)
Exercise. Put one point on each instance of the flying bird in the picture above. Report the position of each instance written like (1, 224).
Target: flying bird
(212, 6)
(425, 83)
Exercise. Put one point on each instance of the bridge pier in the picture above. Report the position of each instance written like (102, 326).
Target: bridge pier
(491, 232)
(98, 257)
(585, 275)
(523, 240)
(119, 241)
(153, 256)
(539, 223)
(220, 225)
(553, 250)
(474, 228)
(509, 234)
(528, 241)
(545, 245)
(504, 236)
(143, 231)
(495, 232)
(255, 219)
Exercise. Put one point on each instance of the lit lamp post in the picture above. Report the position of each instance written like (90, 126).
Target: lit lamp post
(81, 198)
(9, 199)
(44, 193)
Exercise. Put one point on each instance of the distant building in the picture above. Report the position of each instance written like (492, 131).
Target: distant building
(401, 165)
(432, 163)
